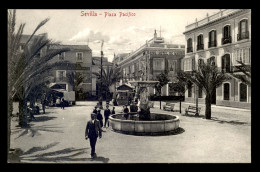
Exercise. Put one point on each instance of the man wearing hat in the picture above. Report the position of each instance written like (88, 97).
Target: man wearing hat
(107, 113)
(93, 130)
(95, 110)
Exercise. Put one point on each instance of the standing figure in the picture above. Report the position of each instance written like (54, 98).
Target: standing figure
(107, 113)
(113, 111)
(100, 118)
(62, 103)
(58, 101)
(95, 110)
(93, 130)
(126, 111)
(43, 105)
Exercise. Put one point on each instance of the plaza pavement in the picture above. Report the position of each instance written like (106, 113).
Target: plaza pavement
(58, 137)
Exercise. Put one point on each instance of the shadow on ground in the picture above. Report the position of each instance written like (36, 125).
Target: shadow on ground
(174, 132)
(32, 130)
(43, 118)
(98, 158)
(233, 122)
(67, 154)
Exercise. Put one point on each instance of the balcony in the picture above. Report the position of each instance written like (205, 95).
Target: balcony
(212, 44)
(200, 47)
(243, 35)
(189, 49)
(226, 40)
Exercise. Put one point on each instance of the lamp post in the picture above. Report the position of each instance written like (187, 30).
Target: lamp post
(101, 65)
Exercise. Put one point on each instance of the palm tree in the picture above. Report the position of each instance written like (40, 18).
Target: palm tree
(208, 77)
(26, 69)
(75, 79)
(243, 73)
(109, 77)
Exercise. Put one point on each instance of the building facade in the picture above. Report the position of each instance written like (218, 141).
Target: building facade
(223, 39)
(80, 61)
(150, 60)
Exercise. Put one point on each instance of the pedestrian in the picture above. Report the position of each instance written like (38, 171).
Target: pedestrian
(133, 107)
(100, 118)
(107, 113)
(58, 101)
(113, 111)
(126, 112)
(43, 105)
(95, 110)
(92, 132)
(62, 103)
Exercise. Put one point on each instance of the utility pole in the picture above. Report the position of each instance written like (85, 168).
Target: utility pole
(101, 65)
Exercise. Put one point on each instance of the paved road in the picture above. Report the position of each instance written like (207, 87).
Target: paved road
(58, 137)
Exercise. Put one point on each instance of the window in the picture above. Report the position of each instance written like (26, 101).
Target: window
(200, 45)
(243, 92)
(226, 63)
(61, 56)
(226, 35)
(212, 38)
(200, 92)
(158, 64)
(211, 61)
(189, 45)
(79, 57)
(243, 30)
(226, 91)
(171, 65)
(60, 75)
(243, 55)
(200, 61)
(189, 64)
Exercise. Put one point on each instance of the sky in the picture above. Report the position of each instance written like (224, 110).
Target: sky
(121, 33)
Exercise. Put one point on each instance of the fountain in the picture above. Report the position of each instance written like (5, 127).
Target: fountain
(144, 121)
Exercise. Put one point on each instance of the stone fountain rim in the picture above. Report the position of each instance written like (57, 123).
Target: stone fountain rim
(154, 121)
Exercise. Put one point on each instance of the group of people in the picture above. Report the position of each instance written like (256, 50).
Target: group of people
(107, 113)
(94, 126)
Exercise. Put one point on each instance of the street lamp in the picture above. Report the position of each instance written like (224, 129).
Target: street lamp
(101, 65)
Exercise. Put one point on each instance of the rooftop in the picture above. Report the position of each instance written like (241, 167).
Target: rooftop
(212, 18)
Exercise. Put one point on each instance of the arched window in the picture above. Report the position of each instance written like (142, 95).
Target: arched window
(243, 30)
(226, 91)
(200, 61)
(212, 60)
(243, 92)
(226, 35)
(200, 45)
(226, 63)
(189, 45)
(212, 38)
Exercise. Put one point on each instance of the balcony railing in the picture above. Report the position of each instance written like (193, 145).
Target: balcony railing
(226, 40)
(189, 49)
(243, 35)
(212, 44)
(200, 47)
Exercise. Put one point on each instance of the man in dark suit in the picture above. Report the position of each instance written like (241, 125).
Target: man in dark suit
(93, 130)
(107, 113)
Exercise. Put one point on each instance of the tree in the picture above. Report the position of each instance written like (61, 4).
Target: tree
(180, 85)
(109, 77)
(243, 73)
(208, 77)
(75, 79)
(163, 80)
(27, 68)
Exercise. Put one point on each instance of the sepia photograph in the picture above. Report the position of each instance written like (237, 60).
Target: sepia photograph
(94, 86)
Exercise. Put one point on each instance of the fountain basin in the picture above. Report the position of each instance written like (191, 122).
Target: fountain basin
(159, 123)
